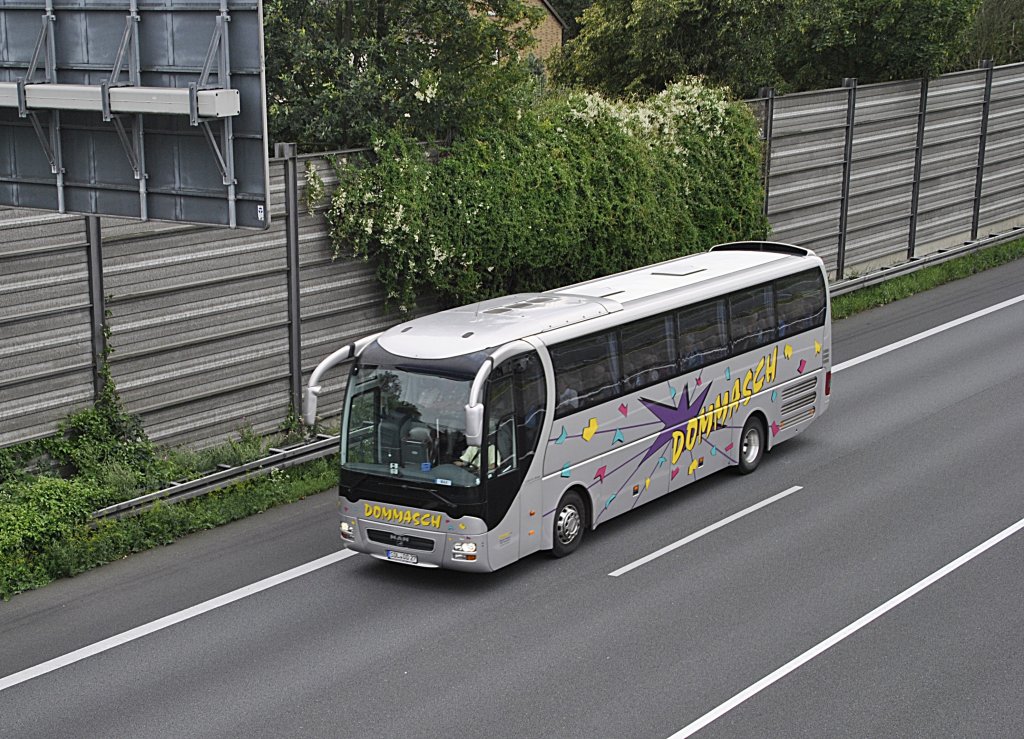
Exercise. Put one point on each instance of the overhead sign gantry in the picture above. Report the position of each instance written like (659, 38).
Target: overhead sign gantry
(152, 110)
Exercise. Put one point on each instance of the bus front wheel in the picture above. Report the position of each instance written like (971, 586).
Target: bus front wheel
(752, 444)
(569, 524)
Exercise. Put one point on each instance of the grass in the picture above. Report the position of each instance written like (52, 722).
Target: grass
(115, 539)
(925, 279)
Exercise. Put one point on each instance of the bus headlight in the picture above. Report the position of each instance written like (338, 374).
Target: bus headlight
(347, 530)
(464, 550)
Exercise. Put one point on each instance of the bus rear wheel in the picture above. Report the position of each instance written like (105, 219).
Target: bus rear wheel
(752, 444)
(569, 524)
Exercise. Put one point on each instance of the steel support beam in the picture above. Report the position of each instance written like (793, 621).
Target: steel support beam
(915, 194)
(288, 152)
(844, 206)
(97, 301)
(768, 94)
(986, 64)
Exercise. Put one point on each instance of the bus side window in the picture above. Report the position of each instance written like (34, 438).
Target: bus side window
(648, 351)
(800, 302)
(586, 372)
(531, 401)
(501, 425)
(567, 398)
(752, 318)
(703, 334)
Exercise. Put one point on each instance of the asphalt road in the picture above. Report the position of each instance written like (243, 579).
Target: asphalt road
(824, 613)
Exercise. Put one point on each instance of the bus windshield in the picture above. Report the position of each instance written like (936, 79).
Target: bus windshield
(409, 426)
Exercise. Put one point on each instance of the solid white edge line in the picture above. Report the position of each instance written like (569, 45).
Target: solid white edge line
(175, 618)
(925, 334)
(707, 530)
(830, 642)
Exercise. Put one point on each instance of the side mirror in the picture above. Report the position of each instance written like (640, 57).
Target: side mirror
(475, 425)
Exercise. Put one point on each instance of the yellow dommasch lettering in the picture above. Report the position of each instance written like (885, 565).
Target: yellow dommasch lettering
(747, 392)
(678, 445)
(692, 434)
(721, 411)
(758, 380)
(707, 423)
(395, 515)
(771, 364)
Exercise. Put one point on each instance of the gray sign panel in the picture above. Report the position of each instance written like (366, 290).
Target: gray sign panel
(134, 108)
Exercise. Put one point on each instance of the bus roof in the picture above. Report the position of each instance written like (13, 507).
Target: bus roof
(491, 323)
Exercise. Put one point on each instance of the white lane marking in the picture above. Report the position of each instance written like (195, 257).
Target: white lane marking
(925, 334)
(830, 642)
(175, 618)
(707, 530)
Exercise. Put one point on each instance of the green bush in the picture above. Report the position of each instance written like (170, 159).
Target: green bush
(576, 187)
(45, 531)
(34, 515)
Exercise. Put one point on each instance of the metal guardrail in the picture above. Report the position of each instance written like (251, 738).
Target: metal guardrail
(177, 492)
(930, 260)
(326, 445)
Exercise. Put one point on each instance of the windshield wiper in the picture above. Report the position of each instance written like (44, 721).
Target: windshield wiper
(415, 489)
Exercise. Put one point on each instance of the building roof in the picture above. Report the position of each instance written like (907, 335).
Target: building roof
(554, 13)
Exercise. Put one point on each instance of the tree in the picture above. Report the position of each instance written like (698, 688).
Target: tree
(872, 40)
(628, 47)
(997, 33)
(636, 47)
(338, 70)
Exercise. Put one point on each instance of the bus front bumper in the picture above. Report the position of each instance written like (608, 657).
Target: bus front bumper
(415, 546)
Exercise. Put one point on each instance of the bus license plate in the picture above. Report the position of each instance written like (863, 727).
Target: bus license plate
(409, 559)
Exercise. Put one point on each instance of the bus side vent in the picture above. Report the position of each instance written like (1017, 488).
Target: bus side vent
(799, 388)
(798, 402)
(826, 357)
(804, 415)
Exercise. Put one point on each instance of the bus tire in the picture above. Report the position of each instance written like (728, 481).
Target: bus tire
(752, 445)
(568, 525)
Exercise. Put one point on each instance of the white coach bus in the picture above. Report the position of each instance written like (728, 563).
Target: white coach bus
(476, 436)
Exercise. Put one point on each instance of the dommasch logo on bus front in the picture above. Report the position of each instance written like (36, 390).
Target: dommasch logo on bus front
(405, 518)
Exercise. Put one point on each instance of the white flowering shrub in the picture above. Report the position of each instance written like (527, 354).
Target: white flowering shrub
(574, 187)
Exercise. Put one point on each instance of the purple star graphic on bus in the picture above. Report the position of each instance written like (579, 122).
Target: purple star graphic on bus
(673, 418)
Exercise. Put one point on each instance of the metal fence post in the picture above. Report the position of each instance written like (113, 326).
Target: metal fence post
(97, 301)
(768, 93)
(850, 84)
(289, 153)
(915, 195)
(986, 64)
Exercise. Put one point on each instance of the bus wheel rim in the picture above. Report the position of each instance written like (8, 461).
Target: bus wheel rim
(568, 524)
(751, 445)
